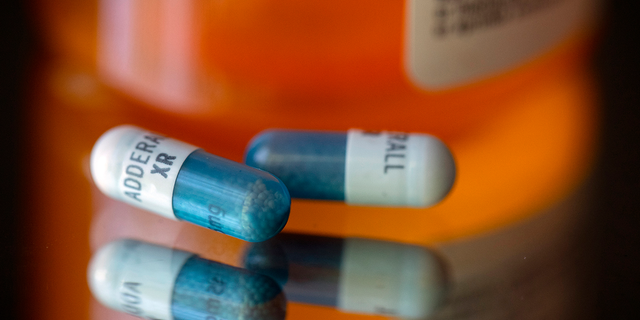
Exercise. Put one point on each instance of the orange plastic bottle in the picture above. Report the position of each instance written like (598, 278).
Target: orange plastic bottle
(196, 57)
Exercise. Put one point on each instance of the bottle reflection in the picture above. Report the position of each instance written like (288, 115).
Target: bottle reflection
(352, 274)
(156, 282)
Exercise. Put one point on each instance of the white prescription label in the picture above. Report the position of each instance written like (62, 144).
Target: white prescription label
(139, 167)
(379, 277)
(146, 283)
(396, 169)
(455, 42)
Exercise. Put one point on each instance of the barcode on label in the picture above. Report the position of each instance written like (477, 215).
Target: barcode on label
(459, 17)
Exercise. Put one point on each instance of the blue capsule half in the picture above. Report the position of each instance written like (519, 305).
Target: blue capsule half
(311, 163)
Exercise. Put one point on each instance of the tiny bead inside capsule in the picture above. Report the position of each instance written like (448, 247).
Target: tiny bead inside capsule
(179, 181)
(358, 167)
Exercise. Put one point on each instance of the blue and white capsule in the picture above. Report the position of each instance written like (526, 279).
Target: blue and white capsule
(182, 182)
(354, 275)
(155, 282)
(358, 167)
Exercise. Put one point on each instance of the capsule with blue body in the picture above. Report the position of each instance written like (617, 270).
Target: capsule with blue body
(155, 282)
(358, 167)
(355, 275)
(180, 181)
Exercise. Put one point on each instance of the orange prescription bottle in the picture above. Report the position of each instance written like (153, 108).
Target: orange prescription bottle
(512, 229)
(196, 57)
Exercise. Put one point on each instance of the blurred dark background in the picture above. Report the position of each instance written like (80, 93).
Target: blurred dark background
(618, 68)
(18, 46)
(617, 64)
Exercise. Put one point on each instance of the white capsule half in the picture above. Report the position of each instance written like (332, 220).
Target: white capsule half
(120, 167)
(397, 169)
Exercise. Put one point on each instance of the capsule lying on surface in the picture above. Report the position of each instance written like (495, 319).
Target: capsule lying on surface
(353, 274)
(180, 181)
(156, 282)
(359, 167)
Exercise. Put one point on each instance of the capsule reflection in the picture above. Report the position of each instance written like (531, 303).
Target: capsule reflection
(352, 274)
(155, 282)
